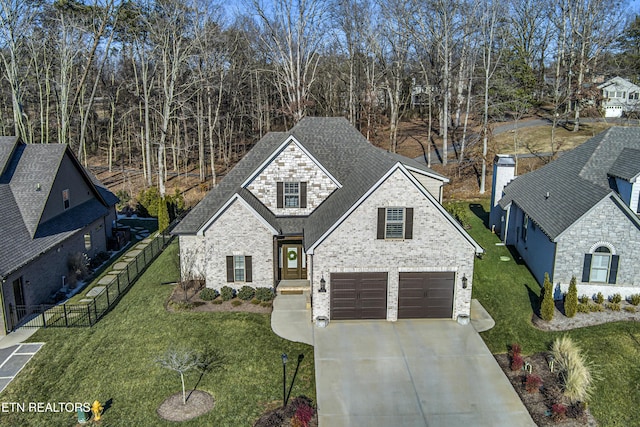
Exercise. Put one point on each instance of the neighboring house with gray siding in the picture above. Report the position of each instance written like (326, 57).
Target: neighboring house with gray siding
(50, 209)
(363, 229)
(577, 216)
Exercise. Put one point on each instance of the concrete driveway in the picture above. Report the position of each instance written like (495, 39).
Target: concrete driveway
(411, 373)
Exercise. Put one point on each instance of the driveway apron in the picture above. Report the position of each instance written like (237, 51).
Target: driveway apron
(411, 373)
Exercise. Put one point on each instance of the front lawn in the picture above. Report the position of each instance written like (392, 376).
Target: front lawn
(510, 293)
(114, 361)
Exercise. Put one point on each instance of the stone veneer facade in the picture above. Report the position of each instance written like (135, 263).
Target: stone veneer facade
(607, 225)
(353, 247)
(292, 165)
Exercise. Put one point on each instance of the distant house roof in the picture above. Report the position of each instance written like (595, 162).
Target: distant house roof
(27, 174)
(559, 193)
(618, 82)
(335, 144)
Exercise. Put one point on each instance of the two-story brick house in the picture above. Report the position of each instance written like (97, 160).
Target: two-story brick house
(363, 227)
(50, 209)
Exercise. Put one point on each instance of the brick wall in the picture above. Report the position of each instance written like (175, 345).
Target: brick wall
(353, 247)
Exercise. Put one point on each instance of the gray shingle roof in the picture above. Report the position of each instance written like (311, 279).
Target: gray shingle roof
(575, 182)
(25, 185)
(337, 146)
(627, 165)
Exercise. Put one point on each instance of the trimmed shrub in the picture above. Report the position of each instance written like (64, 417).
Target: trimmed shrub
(236, 302)
(583, 308)
(265, 304)
(533, 383)
(208, 294)
(634, 299)
(584, 299)
(595, 308)
(217, 301)
(615, 298)
(264, 294)
(613, 306)
(630, 309)
(227, 293)
(599, 298)
(255, 301)
(548, 307)
(163, 215)
(148, 202)
(571, 301)
(303, 415)
(246, 293)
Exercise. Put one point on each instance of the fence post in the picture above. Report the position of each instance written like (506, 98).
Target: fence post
(66, 321)
(95, 309)
(44, 318)
(89, 313)
(106, 289)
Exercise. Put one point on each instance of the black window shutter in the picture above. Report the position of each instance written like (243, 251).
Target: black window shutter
(247, 269)
(303, 194)
(279, 194)
(586, 268)
(613, 270)
(381, 222)
(408, 223)
(230, 275)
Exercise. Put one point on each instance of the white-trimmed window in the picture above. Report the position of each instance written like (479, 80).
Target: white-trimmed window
(65, 199)
(600, 266)
(395, 223)
(239, 268)
(291, 194)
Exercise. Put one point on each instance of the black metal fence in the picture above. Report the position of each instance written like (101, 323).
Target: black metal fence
(87, 314)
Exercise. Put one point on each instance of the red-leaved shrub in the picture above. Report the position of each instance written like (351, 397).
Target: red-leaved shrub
(516, 362)
(303, 415)
(558, 412)
(533, 383)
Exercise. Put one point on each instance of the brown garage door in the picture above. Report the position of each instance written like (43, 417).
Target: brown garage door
(425, 295)
(358, 296)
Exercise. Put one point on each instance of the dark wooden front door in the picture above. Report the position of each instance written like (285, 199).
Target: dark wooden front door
(426, 295)
(358, 296)
(292, 262)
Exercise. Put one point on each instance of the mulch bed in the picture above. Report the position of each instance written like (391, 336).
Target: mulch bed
(198, 403)
(190, 301)
(539, 404)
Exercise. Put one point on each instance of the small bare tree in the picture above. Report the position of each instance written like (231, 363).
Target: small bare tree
(180, 361)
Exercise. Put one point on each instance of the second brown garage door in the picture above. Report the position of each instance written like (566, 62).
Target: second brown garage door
(426, 295)
(358, 296)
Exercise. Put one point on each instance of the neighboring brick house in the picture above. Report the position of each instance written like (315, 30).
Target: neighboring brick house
(363, 228)
(576, 216)
(50, 209)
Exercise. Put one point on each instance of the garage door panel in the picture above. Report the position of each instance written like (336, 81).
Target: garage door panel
(358, 296)
(426, 295)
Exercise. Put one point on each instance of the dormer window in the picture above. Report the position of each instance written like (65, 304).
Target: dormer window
(65, 199)
(292, 194)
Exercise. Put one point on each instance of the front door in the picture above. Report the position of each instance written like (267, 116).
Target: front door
(292, 262)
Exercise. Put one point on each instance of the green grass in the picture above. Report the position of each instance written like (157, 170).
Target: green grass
(510, 294)
(114, 361)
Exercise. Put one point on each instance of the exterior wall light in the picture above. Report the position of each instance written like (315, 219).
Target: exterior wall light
(323, 285)
(464, 281)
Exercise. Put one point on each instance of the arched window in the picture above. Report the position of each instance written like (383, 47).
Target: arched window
(600, 266)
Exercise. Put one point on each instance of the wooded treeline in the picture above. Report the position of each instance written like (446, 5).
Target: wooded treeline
(173, 83)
